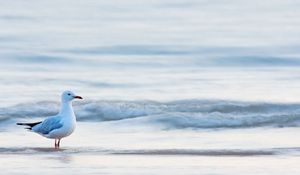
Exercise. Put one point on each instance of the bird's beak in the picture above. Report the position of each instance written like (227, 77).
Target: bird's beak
(78, 97)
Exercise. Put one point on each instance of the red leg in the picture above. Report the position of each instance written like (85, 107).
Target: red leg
(55, 143)
(58, 143)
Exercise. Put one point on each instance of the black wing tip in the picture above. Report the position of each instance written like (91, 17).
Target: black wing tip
(28, 128)
(29, 124)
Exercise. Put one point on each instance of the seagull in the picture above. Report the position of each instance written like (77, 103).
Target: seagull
(59, 126)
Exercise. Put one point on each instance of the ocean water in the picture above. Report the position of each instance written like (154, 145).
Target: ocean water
(198, 81)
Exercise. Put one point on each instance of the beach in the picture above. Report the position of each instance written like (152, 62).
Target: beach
(168, 87)
(98, 150)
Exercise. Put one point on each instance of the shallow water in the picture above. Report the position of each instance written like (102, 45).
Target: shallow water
(97, 148)
(75, 164)
(169, 87)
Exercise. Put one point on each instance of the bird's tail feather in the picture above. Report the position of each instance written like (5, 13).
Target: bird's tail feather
(30, 125)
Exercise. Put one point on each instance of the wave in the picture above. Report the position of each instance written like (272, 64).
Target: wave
(169, 56)
(151, 152)
(169, 115)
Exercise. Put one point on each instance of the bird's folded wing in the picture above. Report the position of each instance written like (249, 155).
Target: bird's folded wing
(49, 125)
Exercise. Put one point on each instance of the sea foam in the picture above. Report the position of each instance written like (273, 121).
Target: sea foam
(170, 115)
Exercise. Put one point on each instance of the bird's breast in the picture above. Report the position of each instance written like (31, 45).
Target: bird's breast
(69, 126)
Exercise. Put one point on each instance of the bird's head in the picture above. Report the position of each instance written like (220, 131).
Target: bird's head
(68, 96)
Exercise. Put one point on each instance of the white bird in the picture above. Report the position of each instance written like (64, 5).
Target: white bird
(59, 126)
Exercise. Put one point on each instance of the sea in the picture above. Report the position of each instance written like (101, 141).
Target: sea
(168, 86)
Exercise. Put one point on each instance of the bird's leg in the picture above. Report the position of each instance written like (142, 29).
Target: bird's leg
(58, 143)
(55, 143)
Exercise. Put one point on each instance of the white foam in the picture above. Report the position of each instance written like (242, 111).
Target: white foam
(170, 115)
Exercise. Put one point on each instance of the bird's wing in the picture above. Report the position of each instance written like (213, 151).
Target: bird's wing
(49, 125)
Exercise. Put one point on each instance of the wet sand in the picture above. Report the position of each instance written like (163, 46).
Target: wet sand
(97, 149)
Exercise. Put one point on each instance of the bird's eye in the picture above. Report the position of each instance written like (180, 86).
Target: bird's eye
(69, 94)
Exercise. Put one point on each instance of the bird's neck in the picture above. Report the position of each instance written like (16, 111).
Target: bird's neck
(66, 109)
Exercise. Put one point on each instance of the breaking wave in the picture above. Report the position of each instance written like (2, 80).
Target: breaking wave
(170, 115)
